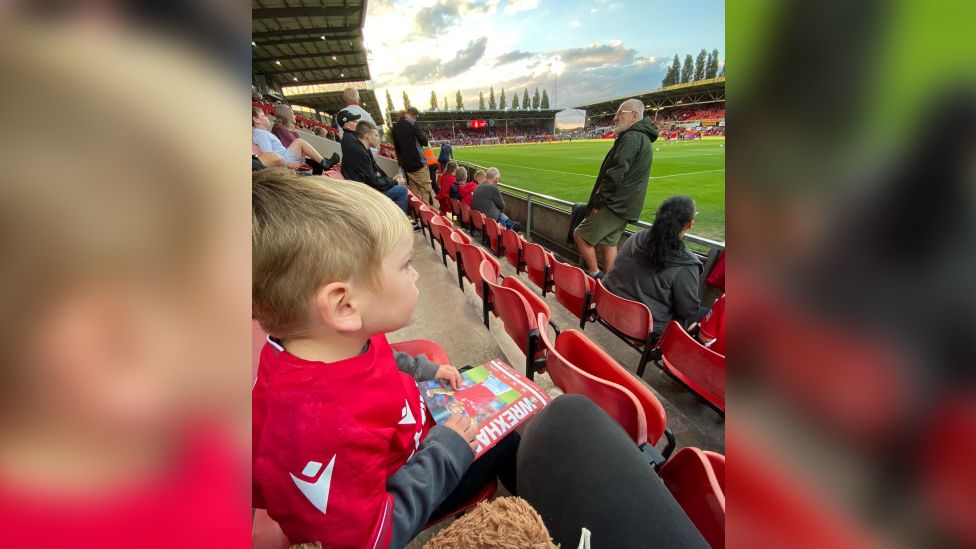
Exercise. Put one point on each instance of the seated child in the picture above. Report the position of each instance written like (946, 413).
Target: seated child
(344, 452)
(460, 178)
(467, 189)
(443, 194)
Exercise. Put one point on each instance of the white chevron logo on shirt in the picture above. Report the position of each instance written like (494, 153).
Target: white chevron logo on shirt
(316, 492)
(407, 414)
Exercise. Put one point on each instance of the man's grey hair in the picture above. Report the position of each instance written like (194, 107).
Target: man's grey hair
(350, 96)
(635, 105)
(493, 174)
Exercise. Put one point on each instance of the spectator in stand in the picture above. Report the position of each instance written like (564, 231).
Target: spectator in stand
(447, 154)
(711, 331)
(322, 132)
(448, 170)
(488, 200)
(347, 121)
(447, 180)
(351, 97)
(618, 194)
(358, 163)
(431, 161)
(285, 128)
(656, 267)
(467, 190)
(293, 156)
(409, 142)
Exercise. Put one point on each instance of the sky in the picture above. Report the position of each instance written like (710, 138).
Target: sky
(609, 48)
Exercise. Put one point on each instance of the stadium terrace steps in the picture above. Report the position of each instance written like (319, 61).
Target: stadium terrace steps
(453, 320)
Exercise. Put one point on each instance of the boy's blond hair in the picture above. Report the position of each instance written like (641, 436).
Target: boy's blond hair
(311, 231)
(482, 173)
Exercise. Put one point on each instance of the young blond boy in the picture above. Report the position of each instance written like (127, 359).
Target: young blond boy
(344, 451)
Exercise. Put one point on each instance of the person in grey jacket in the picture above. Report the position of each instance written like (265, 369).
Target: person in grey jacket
(488, 200)
(656, 267)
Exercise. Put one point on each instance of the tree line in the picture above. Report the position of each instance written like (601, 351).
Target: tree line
(703, 67)
(536, 101)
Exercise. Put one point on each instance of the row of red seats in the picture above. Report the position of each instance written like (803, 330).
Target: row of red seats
(302, 120)
(575, 363)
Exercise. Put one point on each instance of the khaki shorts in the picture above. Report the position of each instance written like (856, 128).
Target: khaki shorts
(419, 183)
(602, 227)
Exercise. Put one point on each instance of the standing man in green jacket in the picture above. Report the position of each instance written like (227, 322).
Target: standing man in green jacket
(618, 194)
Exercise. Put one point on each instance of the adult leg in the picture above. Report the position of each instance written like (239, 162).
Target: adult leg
(609, 256)
(302, 147)
(398, 194)
(499, 462)
(579, 469)
(505, 221)
(587, 251)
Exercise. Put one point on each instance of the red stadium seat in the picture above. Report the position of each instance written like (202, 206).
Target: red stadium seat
(453, 248)
(426, 214)
(465, 216)
(629, 320)
(440, 231)
(478, 223)
(538, 264)
(266, 533)
(493, 237)
(616, 401)
(574, 290)
(512, 243)
(415, 204)
(696, 479)
(456, 208)
(471, 257)
(413, 347)
(697, 367)
(518, 309)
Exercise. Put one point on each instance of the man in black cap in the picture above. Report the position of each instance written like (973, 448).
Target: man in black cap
(347, 121)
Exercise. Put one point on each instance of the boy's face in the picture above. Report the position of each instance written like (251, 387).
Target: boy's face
(391, 307)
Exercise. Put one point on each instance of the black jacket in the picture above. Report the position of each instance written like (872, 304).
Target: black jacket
(407, 138)
(622, 181)
(358, 164)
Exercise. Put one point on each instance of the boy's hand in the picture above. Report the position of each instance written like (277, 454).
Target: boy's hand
(450, 374)
(464, 426)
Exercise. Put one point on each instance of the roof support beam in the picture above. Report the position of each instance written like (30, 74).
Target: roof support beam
(282, 13)
(310, 55)
(314, 32)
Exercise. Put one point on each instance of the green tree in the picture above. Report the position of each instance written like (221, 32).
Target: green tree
(501, 100)
(433, 100)
(711, 68)
(481, 101)
(515, 103)
(458, 102)
(535, 99)
(688, 70)
(700, 65)
(674, 73)
(406, 101)
(445, 103)
(491, 99)
(545, 100)
(389, 104)
(525, 99)
(722, 72)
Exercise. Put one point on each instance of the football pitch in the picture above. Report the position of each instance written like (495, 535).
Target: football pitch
(568, 170)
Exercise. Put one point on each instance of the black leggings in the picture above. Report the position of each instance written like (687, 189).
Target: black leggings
(578, 468)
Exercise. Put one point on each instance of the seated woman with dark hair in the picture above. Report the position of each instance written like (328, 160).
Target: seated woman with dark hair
(656, 268)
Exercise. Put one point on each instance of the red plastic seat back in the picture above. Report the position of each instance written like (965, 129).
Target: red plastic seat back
(698, 367)
(415, 204)
(426, 214)
(512, 244)
(571, 284)
(615, 400)
(471, 258)
(434, 352)
(692, 480)
(536, 259)
(456, 207)
(450, 244)
(582, 351)
(266, 532)
(465, 213)
(494, 234)
(478, 220)
(632, 318)
(511, 306)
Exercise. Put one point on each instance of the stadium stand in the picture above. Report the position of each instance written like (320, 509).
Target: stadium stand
(699, 368)
(696, 478)
(517, 307)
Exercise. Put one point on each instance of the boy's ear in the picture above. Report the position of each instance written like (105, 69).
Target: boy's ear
(335, 307)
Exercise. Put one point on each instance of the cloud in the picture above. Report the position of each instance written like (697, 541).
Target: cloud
(596, 55)
(515, 6)
(511, 57)
(431, 21)
(574, 23)
(593, 10)
(428, 68)
(466, 58)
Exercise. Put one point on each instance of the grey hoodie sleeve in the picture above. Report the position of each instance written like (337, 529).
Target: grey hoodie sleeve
(685, 292)
(425, 481)
(419, 368)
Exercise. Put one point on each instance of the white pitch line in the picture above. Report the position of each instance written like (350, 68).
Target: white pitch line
(594, 175)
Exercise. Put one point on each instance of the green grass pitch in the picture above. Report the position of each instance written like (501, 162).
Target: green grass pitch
(568, 171)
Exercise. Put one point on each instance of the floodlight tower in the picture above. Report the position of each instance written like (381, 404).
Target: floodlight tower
(556, 66)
